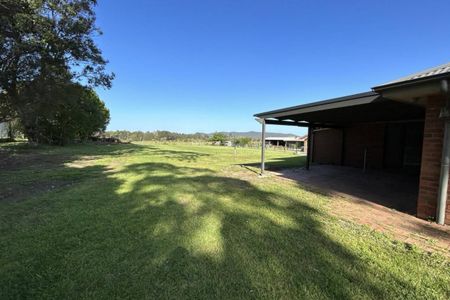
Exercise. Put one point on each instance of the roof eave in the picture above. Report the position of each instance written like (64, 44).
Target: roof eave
(410, 82)
(357, 99)
(317, 103)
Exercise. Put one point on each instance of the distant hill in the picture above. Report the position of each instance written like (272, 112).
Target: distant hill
(255, 134)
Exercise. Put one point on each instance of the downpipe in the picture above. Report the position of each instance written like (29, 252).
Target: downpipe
(445, 162)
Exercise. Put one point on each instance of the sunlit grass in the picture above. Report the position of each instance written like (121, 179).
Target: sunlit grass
(188, 221)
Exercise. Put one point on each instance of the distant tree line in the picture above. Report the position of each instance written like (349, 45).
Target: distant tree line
(159, 135)
(49, 65)
(163, 135)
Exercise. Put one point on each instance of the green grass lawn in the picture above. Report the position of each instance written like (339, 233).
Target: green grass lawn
(187, 221)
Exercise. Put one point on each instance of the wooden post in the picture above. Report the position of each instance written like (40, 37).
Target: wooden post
(263, 145)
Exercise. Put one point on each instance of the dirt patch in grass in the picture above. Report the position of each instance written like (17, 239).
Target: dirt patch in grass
(14, 162)
(83, 161)
(17, 188)
(15, 193)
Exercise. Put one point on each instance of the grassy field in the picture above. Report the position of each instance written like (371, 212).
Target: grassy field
(187, 221)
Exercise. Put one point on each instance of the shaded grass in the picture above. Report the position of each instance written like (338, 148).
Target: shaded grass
(181, 221)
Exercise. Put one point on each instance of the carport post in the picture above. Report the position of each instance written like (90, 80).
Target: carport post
(309, 147)
(263, 145)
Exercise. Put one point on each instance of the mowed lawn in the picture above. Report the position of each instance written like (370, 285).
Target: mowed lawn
(188, 221)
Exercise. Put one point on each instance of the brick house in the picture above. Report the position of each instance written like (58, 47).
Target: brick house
(400, 126)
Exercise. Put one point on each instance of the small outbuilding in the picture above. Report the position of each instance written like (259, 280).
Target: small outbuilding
(402, 126)
(288, 142)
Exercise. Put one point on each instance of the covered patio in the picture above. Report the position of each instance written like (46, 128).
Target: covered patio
(363, 145)
(394, 190)
(401, 127)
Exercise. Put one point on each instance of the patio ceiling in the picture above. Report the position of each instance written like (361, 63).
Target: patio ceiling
(358, 108)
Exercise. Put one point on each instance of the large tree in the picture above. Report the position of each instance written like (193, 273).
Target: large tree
(44, 44)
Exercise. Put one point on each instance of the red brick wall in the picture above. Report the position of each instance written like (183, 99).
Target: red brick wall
(327, 146)
(431, 160)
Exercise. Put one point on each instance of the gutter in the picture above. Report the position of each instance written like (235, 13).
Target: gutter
(445, 162)
(407, 83)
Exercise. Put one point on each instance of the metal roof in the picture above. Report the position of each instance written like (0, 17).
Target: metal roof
(287, 138)
(425, 75)
(351, 100)
(354, 106)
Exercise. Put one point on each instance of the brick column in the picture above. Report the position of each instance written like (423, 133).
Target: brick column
(431, 160)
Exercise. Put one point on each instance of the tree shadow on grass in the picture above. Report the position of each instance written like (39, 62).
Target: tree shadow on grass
(27, 170)
(49, 163)
(20, 156)
(236, 240)
(157, 230)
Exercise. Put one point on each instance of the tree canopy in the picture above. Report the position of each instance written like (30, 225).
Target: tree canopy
(49, 65)
(219, 137)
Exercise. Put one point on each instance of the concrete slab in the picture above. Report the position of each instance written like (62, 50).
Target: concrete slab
(385, 201)
(392, 189)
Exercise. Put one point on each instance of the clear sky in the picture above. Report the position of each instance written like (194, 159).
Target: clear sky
(209, 65)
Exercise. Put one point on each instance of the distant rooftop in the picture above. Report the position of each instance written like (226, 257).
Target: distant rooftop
(428, 74)
(287, 138)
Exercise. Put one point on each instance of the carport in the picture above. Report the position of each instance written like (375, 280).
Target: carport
(396, 128)
(365, 131)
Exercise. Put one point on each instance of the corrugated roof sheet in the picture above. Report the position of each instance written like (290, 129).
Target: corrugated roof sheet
(425, 74)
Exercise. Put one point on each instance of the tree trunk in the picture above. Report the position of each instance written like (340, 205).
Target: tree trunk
(10, 131)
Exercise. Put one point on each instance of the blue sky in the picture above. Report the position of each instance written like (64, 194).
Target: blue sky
(191, 65)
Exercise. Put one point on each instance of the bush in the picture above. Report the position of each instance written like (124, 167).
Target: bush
(67, 113)
(242, 141)
(218, 137)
